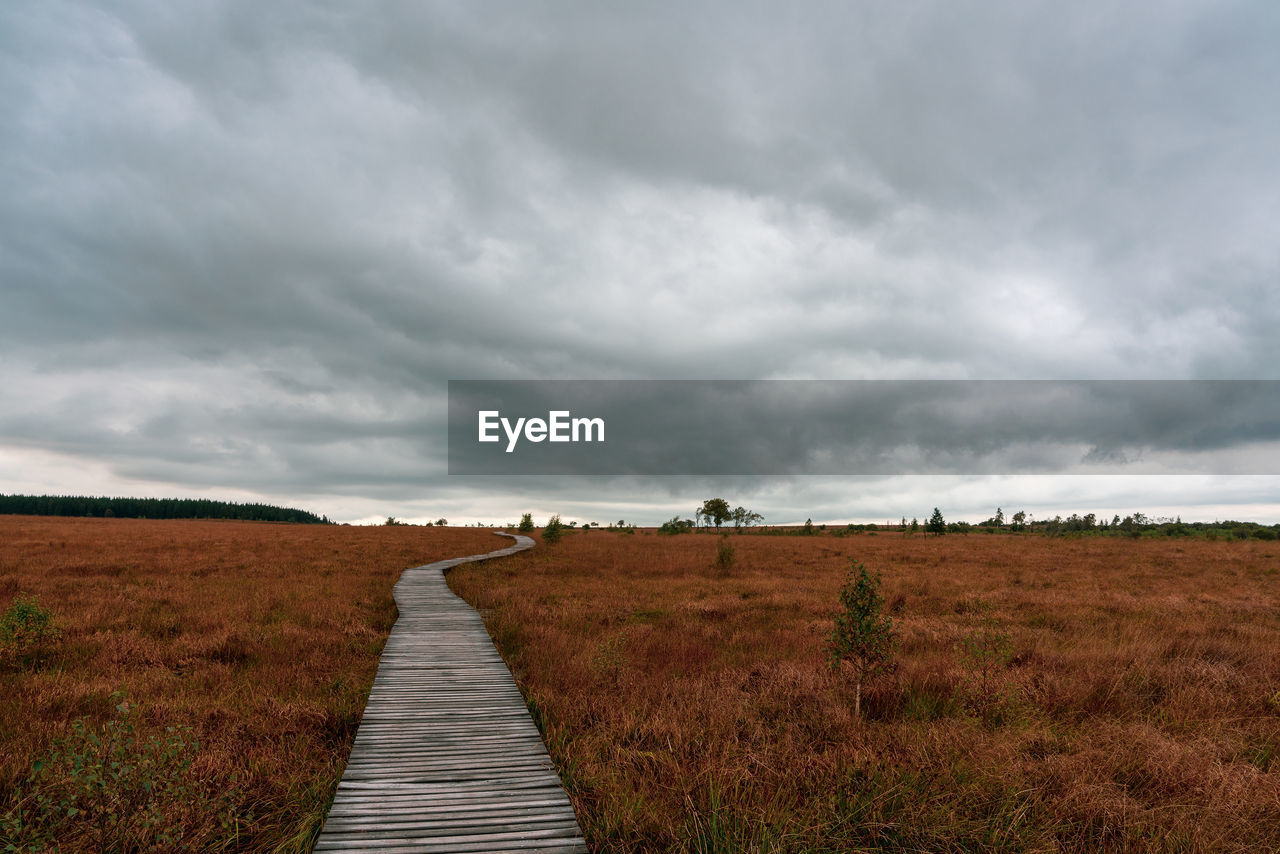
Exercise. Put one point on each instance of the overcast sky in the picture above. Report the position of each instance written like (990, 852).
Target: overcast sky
(243, 246)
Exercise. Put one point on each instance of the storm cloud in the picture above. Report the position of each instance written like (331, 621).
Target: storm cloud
(244, 247)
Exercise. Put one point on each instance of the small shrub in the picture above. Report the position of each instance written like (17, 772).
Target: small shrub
(553, 531)
(986, 652)
(526, 523)
(724, 553)
(25, 629)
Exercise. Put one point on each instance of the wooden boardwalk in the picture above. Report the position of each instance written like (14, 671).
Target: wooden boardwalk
(447, 757)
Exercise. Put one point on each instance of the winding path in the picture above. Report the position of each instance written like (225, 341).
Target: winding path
(447, 757)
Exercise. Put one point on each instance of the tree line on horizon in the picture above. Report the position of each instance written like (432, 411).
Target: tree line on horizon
(152, 508)
(716, 511)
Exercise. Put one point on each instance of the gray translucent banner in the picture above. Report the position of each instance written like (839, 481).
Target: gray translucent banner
(864, 427)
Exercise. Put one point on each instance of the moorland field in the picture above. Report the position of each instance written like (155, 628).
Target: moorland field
(261, 638)
(1050, 693)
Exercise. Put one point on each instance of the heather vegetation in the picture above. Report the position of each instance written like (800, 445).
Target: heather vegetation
(180, 685)
(1051, 694)
(189, 685)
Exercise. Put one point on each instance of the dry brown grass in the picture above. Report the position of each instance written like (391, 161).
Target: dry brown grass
(690, 707)
(263, 638)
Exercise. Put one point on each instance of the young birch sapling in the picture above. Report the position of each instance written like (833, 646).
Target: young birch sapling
(862, 636)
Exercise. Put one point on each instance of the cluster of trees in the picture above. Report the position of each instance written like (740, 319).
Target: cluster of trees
(151, 508)
(713, 512)
(1134, 524)
(716, 511)
(936, 525)
(676, 525)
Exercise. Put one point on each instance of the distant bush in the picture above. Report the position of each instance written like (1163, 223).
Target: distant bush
(526, 523)
(675, 525)
(553, 530)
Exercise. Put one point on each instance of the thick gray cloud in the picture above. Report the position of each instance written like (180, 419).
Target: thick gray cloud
(243, 247)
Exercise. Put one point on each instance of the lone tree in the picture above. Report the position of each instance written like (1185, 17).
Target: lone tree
(716, 510)
(526, 523)
(862, 636)
(937, 525)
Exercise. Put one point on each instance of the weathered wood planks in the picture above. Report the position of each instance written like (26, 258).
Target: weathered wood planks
(446, 757)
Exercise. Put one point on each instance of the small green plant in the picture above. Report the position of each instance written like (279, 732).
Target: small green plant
(526, 523)
(725, 557)
(862, 637)
(106, 788)
(611, 657)
(986, 652)
(1274, 702)
(25, 630)
(553, 530)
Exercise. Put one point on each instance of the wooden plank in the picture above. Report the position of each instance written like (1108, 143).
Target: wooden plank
(446, 757)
